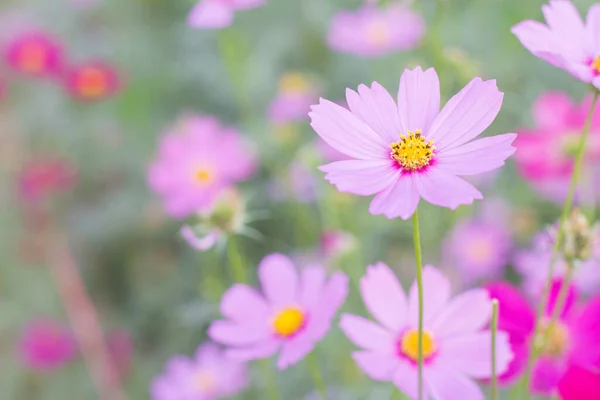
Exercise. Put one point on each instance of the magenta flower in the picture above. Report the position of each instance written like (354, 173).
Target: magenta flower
(216, 14)
(411, 150)
(291, 316)
(479, 249)
(197, 159)
(580, 384)
(46, 345)
(566, 41)
(572, 341)
(293, 101)
(373, 31)
(209, 375)
(41, 178)
(92, 81)
(34, 53)
(456, 346)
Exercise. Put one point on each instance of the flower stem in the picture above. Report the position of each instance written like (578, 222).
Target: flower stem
(313, 366)
(559, 237)
(494, 329)
(419, 265)
(270, 383)
(560, 302)
(235, 260)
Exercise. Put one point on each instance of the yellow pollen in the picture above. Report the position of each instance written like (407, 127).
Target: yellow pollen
(294, 83)
(378, 33)
(205, 381)
(409, 345)
(203, 176)
(596, 64)
(556, 336)
(288, 321)
(412, 151)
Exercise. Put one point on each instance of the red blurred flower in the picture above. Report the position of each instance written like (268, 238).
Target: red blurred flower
(34, 53)
(94, 80)
(40, 178)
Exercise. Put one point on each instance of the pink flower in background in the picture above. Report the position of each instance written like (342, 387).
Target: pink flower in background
(372, 31)
(120, 347)
(34, 53)
(328, 153)
(196, 160)
(456, 347)
(533, 264)
(572, 340)
(41, 178)
(291, 315)
(479, 249)
(580, 384)
(93, 80)
(336, 243)
(293, 101)
(545, 154)
(402, 152)
(46, 345)
(208, 375)
(216, 14)
(566, 41)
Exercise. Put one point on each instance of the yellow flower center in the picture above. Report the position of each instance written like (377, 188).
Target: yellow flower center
(596, 64)
(553, 339)
(33, 57)
(378, 33)
(205, 381)
(288, 321)
(92, 82)
(409, 345)
(294, 83)
(480, 250)
(204, 176)
(412, 151)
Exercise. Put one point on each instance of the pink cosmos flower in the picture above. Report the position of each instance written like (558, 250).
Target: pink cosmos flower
(197, 159)
(533, 264)
(572, 341)
(566, 41)
(46, 345)
(208, 375)
(34, 53)
(580, 384)
(545, 154)
(93, 80)
(41, 178)
(296, 94)
(409, 150)
(372, 31)
(479, 249)
(291, 316)
(216, 14)
(456, 347)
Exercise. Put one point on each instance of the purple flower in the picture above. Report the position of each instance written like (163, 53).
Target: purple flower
(291, 315)
(216, 14)
(409, 150)
(196, 160)
(566, 41)
(456, 347)
(207, 376)
(46, 345)
(373, 32)
(292, 104)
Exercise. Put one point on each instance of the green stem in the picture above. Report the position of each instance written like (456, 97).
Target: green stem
(270, 383)
(494, 329)
(559, 237)
(419, 265)
(235, 260)
(560, 302)
(313, 366)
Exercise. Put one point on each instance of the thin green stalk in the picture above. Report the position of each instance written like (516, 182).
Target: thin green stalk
(419, 265)
(313, 366)
(494, 329)
(560, 302)
(270, 383)
(559, 237)
(235, 260)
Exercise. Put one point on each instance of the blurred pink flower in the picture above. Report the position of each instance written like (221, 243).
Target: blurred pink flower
(456, 346)
(293, 101)
(479, 249)
(93, 80)
(292, 315)
(566, 41)
(208, 375)
(329, 153)
(46, 345)
(336, 243)
(41, 178)
(34, 53)
(120, 347)
(216, 14)
(580, 384)
(372, 31)
(196, 160)
(573, 339)
(411, 150)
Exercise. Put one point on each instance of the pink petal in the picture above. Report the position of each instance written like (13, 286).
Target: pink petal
(446, 383)
(247, 4)
(242, 303)
(333, 296)
(294, 350)
(593, 27)
(585, 331)
(570, 301)
(199, 243)
(405, 379)
(238, 334)
(345, 132)
(466, 115)
(398, 200)
(362, 177)
(540, 41)
(384, 297)
(255, 352)
(279, 280)
(378, 366)
(418, 99)
(579, 384)
(436, 292)
(312, 280)
(516, 316)
(210, 14)
(367, 334)
(546, 375)
(445, 189)
(552, 111)
(466, 313)
(565, 22)
(377, 109)
(478, 156)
